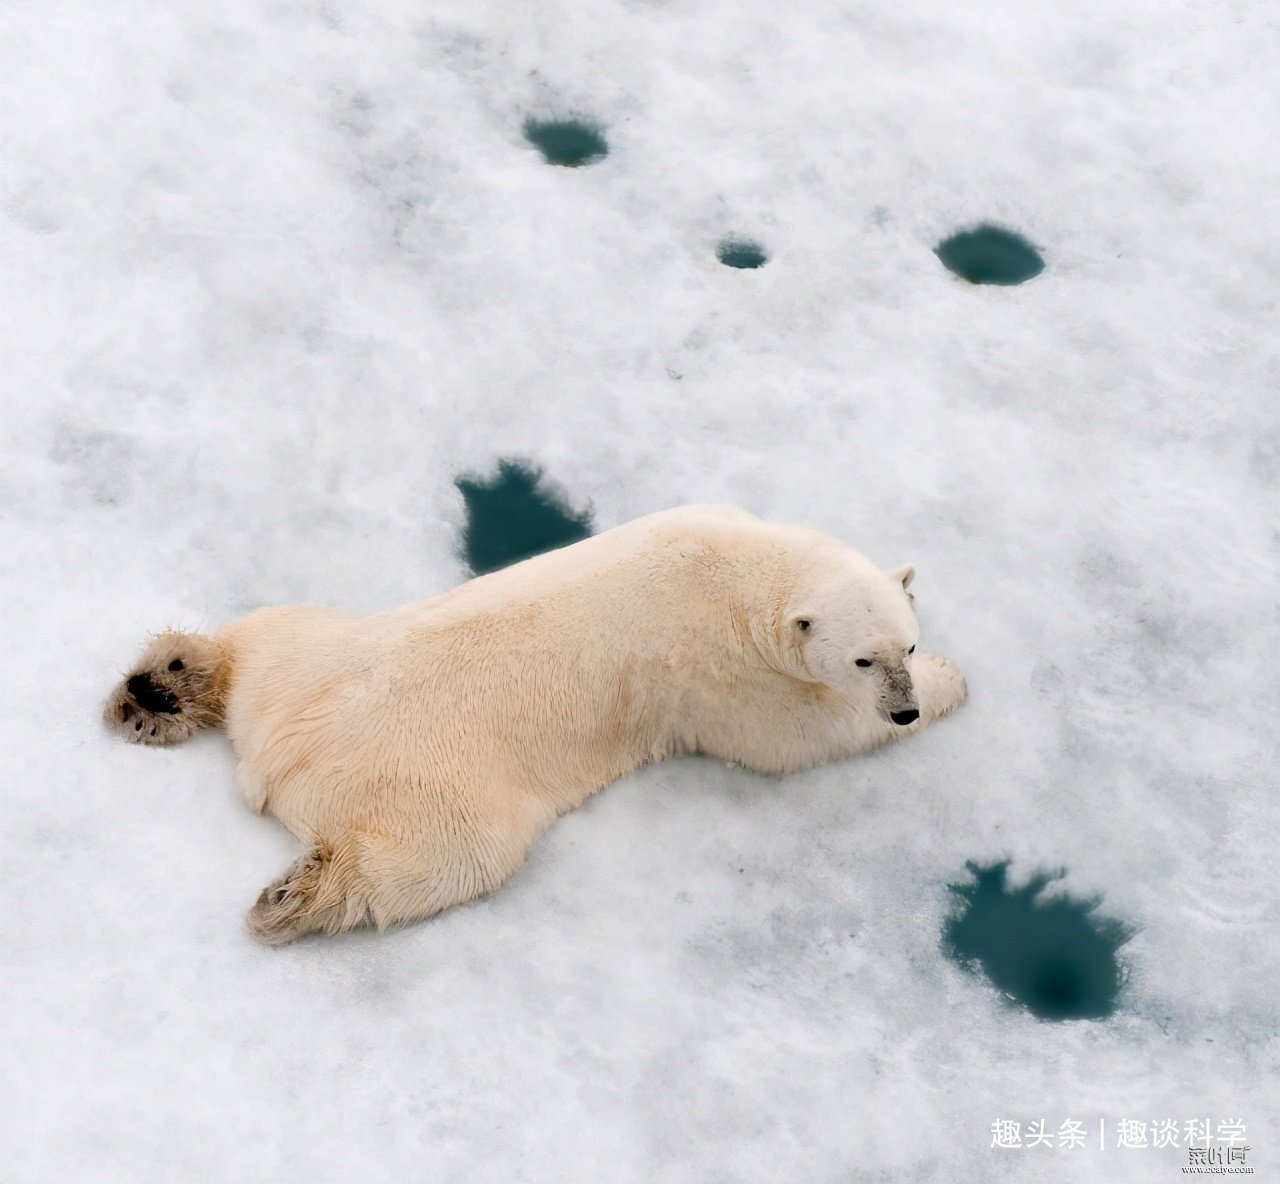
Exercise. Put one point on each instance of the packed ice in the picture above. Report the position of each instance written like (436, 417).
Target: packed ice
(278, 272)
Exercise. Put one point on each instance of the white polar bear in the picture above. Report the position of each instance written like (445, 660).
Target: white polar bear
(420, 752)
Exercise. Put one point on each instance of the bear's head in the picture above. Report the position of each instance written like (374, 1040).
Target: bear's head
(855, 631)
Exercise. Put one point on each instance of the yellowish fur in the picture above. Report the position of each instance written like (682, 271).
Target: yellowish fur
(420, 752)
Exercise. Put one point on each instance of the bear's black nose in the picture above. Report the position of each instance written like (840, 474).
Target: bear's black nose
(904, 717)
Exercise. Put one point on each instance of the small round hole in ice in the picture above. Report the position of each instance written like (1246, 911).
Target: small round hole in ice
(990, 255)
(741, 253)
(570, 143)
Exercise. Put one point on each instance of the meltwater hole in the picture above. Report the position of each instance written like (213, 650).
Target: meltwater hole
(1056, 957)
(568, 142)
(990, 255)
(515, 515)
(741, 252)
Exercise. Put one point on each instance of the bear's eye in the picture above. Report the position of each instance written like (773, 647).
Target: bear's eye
(912, 650)
(803, 625)
(863, 662)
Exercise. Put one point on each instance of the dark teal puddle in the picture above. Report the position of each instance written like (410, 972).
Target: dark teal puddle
(741, 252)
(1056, 957)
(515, 515)
(990, 255)
(567, 142)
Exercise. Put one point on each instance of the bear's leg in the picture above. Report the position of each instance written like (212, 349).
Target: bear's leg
(367, 879)
(176, 687)
(940, 687)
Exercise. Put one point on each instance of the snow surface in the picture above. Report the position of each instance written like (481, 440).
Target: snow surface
(276, 271)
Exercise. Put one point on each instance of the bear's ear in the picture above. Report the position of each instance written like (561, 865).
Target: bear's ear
(904, 575)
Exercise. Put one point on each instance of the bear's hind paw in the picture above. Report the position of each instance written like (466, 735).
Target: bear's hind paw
(144, 713)
(175, 688)
(285, 909)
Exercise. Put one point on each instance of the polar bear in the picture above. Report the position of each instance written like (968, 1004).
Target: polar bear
(419, 753)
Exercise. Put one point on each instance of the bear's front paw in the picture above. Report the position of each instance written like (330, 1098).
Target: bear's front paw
(940, 687)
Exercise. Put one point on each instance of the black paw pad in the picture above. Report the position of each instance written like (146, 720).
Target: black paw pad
(152, 698)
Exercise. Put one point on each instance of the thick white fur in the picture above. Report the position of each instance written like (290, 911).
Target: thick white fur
(421, 752)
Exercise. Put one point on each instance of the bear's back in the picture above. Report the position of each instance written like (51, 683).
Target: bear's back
(647, 549)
